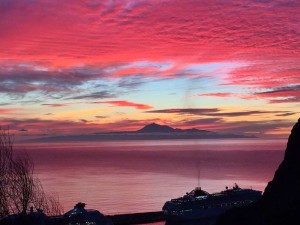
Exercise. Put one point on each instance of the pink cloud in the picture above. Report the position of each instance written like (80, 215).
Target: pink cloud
(120, 103)
(125, 104)
(8, 110)
(269, 80)
(69, 32)
(107, 33)
(282, 94)
(216, 112)
(217, 94)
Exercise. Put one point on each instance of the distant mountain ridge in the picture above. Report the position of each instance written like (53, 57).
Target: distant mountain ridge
(151, 131)
(154, 127)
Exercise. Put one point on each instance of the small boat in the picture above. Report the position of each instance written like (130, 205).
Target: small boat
(199, 204)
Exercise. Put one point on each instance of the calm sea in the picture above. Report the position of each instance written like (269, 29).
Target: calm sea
(140, 176)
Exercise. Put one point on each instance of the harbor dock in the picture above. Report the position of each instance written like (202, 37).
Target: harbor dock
(137, 218)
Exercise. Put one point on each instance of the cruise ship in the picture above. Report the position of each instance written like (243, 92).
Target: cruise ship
(199, 204)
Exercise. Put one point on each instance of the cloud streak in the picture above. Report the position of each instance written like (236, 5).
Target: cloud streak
(126, 104)
(8, 110)
(217, 94)
(119, 103)
(290, 93)
(214, 112)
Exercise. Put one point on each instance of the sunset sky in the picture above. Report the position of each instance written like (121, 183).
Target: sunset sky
(78, 67)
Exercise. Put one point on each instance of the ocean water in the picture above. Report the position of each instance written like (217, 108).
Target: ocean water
(118, 177)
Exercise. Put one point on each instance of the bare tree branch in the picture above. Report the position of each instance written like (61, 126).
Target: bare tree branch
(19, 189)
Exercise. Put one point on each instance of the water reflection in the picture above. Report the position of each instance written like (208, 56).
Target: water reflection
(129, 177)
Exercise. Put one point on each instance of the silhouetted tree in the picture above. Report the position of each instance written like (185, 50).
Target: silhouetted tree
(49, 204)
(6, 160)
(19, 189)
(22, 184)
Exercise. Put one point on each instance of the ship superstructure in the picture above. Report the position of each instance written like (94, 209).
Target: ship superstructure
(199, 204)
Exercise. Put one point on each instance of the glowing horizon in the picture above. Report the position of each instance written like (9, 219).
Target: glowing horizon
(76, 67)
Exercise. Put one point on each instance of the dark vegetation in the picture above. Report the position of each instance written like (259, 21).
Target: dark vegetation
(21, 193)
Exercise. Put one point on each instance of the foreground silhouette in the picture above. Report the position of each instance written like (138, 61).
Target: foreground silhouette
(280, 204)
(22, 197)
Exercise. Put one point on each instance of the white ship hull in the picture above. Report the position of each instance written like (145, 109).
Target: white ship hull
(199, 205)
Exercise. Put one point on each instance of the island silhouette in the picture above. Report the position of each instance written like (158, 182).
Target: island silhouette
(151, 131)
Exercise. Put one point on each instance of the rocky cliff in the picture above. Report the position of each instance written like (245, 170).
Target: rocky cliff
(280, 204)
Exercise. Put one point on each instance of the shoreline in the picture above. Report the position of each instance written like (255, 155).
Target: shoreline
(136, 218)
(119, 219)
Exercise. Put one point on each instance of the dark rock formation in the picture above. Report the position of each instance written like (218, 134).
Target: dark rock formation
(280, 204)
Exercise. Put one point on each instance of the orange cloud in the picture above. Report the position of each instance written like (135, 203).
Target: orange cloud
(218, 94)
(125, 104)
(121, 103)
(8, 110)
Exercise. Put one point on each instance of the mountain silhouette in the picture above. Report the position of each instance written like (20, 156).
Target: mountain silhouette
(151, 131)
(154, 127)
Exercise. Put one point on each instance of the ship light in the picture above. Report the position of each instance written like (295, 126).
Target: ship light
(201, 197)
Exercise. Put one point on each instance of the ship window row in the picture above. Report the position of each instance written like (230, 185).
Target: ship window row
(229, 204)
